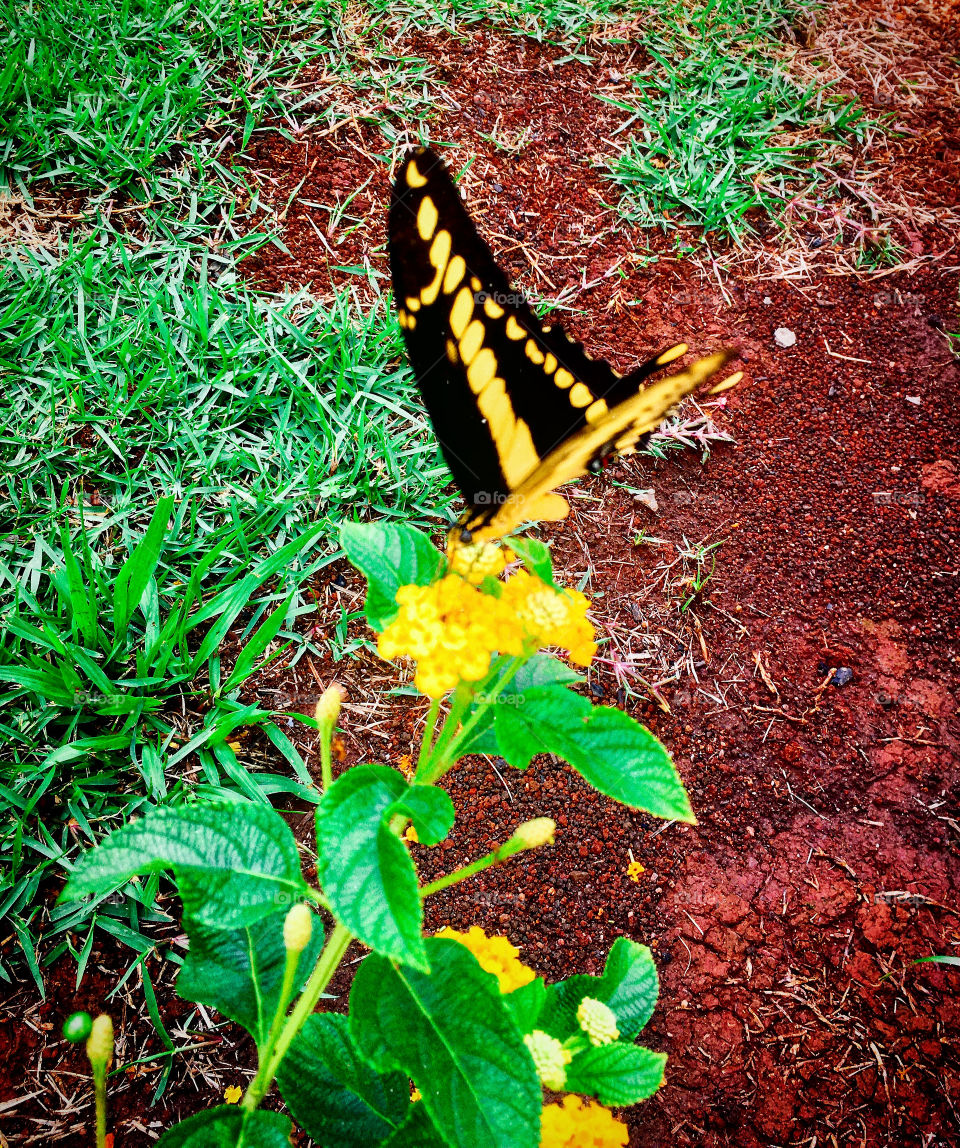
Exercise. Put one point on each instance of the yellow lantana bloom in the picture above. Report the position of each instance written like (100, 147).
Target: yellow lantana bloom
(451, 629)
(476, 561)
(495, 955)
(552, 617)
(576, 1124)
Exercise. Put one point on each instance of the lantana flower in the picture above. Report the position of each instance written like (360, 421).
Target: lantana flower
(577, 1124)
(495, 955)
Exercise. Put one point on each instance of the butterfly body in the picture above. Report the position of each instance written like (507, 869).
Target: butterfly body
(518, 407)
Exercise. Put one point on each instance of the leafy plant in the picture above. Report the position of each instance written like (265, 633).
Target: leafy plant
(478, 1033)
(93, 671)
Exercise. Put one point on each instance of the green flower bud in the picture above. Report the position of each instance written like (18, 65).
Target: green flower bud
(328, 707)
(550, 1057)
(597, 1021)
(533, 834)
(77, 1027)
(297, 928)
(100, 1041)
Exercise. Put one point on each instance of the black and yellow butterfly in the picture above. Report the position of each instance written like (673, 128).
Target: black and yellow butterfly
(518, 407)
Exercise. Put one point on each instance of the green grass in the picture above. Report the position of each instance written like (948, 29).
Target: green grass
(718, 128)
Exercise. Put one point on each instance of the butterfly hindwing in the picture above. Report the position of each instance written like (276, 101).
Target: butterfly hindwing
(509, 397)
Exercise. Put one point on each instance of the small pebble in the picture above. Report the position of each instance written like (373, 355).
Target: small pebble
(841, 676)
(784, 337)
(915, 399)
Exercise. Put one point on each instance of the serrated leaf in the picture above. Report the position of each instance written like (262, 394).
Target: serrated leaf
(450, 1031)
(617, 1073)
(540, 670)
(610, 750)
(429, 808)
(628, 987)
(239, 972)
(336, 1097)
(230, 1127)
(389, 555)
(365, 869)
(234, 862)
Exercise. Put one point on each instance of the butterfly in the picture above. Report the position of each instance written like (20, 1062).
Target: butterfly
(519, 408)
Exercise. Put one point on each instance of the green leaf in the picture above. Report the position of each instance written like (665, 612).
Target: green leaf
(628, 987)
(234, 861)
(365, 869)
(540, 670)
(139, 568)
(239, 972)
(230, 1127)
(535, 556)
(389, 555)
(429, 808)
(243, 667)
(334, 1095)
(418, 1131)
(617, 1073)
(526, 1003)
(614, 753)
(450, 1031)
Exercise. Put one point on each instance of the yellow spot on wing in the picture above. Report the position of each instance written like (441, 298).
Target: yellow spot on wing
(596, 411)
(439, 254)
(413, 304)
(414, 178)
(452, 351)
(493, 310)
(472, 341)
(563, 378)
(550, 364)
(402, 318)
(726, 384)
(455, 271)
(514, 330)
(497, 409)
(534, 354)
(475, 283)
(427, 218)
(521, 457)
(580, 395)
(461, 311)
(481, 370)
(673, 353)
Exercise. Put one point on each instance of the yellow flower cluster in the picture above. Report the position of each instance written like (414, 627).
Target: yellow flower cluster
(495, 955)
(476, 561)
(575, 1124)
(552, 617)
(452, 629)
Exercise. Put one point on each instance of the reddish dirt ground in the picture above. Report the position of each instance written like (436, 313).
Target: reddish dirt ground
(817, 733)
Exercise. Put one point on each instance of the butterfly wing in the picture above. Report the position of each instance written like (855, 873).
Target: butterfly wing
(504, 391)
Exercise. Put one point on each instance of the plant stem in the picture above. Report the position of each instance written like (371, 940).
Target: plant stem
(100, 1101)
(428, 734)
(326, 759)
(322, 973)
(432, 767)
(496, 857)
(445, 756)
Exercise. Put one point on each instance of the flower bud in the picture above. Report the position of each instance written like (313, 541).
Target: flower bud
(549, 1057)
(297, 928)
(597, 1021)
(100, 1041)
(533, 834)
(328, 707)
